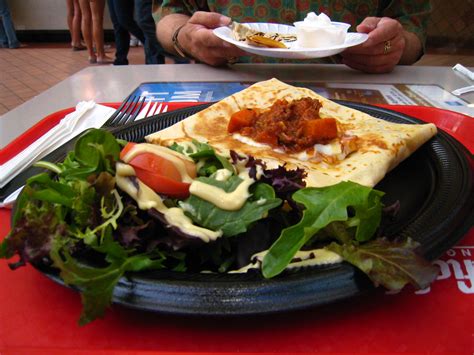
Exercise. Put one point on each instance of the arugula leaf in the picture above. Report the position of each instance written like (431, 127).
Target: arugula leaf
(323, 206)
(207, 215)
(94, 145)
(82, 204)
(391, 264)
(46, 189)
(204, 152)
(95, 151)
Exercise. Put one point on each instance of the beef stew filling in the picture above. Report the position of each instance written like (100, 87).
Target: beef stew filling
(293, 126)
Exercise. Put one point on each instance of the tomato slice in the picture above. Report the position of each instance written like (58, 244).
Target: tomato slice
(162, 184)
(156, 165)
(153, 162)
(159, 173)
(126, 149)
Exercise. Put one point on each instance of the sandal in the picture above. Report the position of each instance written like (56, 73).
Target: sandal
(105, 60)
(79, 48)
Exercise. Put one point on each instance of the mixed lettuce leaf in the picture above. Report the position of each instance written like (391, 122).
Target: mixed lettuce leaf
(322, 207)
(76, 219)
(232, 223)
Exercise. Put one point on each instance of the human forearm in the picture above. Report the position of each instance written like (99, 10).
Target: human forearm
(166, 27)
(195, 38)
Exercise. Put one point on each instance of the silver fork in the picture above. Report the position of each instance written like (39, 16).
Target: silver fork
(127, 112)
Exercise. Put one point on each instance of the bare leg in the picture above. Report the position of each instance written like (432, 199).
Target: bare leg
(97, 7)
(69, 17)
(86, 26)
(76, 25)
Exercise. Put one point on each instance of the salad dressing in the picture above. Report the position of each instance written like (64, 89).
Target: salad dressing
(229, 201)
(146, 198)
(175, 216)
(303, 258)
(249, 141)
(189, 147)
(222, 175)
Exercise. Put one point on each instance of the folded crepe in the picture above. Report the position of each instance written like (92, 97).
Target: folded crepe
(242, 32)
(381, 145)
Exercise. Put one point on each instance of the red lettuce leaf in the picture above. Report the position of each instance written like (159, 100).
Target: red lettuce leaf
(392, 264)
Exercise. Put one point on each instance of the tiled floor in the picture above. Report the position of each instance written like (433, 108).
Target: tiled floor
(28, 71)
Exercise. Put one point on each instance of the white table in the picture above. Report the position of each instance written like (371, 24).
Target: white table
(114, 83)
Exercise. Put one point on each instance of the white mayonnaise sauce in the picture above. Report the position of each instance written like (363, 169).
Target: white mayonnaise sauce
(301, 259)
(249, 141)
(222, 175)
(229, 201)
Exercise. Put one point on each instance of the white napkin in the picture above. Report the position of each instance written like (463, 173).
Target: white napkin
(88, 114)
(464, 71)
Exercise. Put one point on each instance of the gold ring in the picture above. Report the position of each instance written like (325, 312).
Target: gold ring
(386, 47)
(232, 60)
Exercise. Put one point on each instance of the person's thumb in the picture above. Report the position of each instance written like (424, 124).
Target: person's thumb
(209, 19)
(368, 25)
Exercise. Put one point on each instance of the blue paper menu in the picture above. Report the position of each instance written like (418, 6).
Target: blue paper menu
(395, 94)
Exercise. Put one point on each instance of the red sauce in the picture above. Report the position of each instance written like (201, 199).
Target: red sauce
(294, 126)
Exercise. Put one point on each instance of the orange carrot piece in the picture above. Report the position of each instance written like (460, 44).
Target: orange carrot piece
(241, 119)
(320, 130)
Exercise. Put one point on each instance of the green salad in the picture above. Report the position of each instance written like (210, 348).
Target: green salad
(113, 207)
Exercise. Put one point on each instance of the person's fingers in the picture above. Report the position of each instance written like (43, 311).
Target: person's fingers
(206, 38)
(368, 24)
(397, 44)
(209, 19)
(202, 44)
(387, 29)
(373, 56)
(210, 49)
(373, 60)
(220, 55)
(380, 69)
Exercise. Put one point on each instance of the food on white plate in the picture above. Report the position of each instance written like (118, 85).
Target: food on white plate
(244, 33)
(231, 189)
(317, 31)
(262, 41)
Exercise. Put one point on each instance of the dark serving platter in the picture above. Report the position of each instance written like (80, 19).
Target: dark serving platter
(435, 190)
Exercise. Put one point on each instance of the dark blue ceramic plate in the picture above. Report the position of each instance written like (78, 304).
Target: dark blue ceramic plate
(435, 189)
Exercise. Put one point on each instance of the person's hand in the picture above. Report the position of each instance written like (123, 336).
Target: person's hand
(382, 50)
(197, 39)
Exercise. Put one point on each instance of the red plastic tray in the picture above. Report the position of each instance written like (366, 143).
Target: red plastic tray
(38, 316)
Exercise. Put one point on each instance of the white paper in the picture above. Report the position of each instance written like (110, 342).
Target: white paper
(87, 115)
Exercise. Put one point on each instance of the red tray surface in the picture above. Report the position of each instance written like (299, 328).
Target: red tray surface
(38, 316)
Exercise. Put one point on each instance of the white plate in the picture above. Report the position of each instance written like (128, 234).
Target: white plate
(294, 51)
